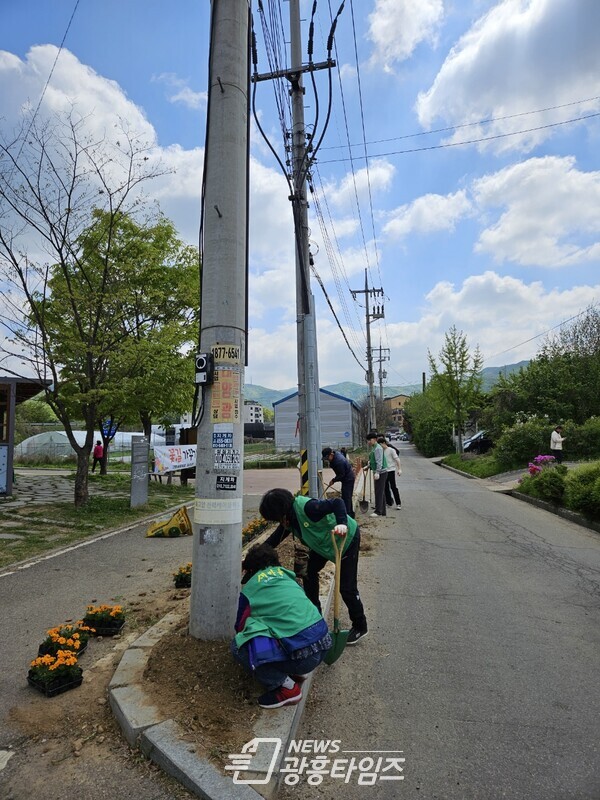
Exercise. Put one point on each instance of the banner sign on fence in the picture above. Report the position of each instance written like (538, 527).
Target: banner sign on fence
(168, 459)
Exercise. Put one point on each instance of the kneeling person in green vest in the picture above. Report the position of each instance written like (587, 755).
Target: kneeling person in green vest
(311, 522)
(280, 635)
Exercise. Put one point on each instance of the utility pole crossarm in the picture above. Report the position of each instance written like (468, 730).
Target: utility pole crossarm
(293, 75)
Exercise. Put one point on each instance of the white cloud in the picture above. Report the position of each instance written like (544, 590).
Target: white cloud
(396, 27)
(429, 213)
(181, 92)
(501, 314)
(378, 177)
(551, 213)
(101, 101)
(523, 55)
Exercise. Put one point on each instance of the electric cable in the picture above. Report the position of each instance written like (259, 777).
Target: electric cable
(37, 108)
(469, 141)
(469, 124)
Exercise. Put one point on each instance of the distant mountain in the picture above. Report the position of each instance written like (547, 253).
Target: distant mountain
(266, 397)
(357, 391)
(490, 374)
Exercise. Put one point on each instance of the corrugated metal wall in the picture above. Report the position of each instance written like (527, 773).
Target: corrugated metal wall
(339, 422)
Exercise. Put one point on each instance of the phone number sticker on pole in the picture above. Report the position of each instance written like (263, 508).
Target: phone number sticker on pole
(227, 353)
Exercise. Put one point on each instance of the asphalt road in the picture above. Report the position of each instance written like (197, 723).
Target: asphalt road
(483, 658)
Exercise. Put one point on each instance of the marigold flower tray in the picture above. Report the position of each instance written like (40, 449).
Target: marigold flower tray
(63, 683)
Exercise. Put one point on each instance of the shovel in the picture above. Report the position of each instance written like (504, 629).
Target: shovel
(363, 504)
(338, 637)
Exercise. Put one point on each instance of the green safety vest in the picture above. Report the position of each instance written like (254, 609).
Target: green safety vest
(373, 463)
(279, 607)
(317, 535)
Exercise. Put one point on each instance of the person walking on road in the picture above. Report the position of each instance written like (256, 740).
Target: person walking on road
(556, 443)
(280, 636)
(311, 522)
(378, 465)
(393, 458)
(344, 474)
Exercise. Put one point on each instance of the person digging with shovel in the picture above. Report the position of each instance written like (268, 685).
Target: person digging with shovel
(344, 474)
(312, 522)
(280, 636)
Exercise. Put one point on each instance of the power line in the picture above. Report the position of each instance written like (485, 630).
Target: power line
(469, 141)
(468, 124)
(537, 336)
(37, 108)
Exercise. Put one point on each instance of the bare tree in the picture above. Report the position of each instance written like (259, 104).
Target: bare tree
(57, 183)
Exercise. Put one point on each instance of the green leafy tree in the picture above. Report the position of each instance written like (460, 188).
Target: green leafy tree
(429, 421)
(59, 188)
(458, 378)
(30, 415)
(560, 383)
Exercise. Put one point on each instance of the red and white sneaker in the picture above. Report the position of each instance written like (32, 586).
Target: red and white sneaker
(281, 697)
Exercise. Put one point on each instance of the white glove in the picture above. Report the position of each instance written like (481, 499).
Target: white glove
(340, 530)
(376, 476)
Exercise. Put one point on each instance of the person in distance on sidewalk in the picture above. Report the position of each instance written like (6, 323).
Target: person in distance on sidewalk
(392, 456)
(311, 522)
(378, 465)
(280, 635)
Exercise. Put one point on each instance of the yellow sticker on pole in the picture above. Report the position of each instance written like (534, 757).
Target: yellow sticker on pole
(226, 396)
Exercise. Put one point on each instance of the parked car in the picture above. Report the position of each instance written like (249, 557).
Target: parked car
(478, 443)
(405, 437)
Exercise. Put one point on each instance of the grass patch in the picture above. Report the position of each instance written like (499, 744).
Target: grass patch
(480, 466)
(45, 527)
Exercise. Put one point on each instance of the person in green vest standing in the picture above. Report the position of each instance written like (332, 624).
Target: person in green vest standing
(379, 465)
(280, 635)
(311, 522)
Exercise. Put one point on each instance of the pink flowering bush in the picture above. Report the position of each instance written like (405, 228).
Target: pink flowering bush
(539, 462)
(546, 480)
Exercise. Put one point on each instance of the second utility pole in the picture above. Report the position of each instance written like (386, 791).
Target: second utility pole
(377, 313)
(308, 372)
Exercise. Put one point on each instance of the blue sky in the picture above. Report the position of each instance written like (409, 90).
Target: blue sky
(500, 237)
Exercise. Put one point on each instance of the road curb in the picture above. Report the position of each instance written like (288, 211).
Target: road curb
(565, 513)
(162, 739)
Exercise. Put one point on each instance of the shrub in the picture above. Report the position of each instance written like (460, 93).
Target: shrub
(519, 444)
(582, 490)
(549, 485)
(432, 438)
(583, 441)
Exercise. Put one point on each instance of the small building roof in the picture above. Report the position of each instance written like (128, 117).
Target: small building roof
(323, 391)
(26, 387)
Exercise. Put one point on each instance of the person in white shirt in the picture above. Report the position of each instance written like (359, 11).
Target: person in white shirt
(393, 459)
(556, 444)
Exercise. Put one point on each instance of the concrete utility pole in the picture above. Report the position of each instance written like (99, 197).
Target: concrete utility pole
(377, 313)
(217, 546)
(309, 407)
(309, 416)
(384, 355)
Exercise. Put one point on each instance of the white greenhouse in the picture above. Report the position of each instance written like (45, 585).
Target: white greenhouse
(56, 443)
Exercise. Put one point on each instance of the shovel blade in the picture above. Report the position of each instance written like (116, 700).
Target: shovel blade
(363, 505)
(339, 639)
